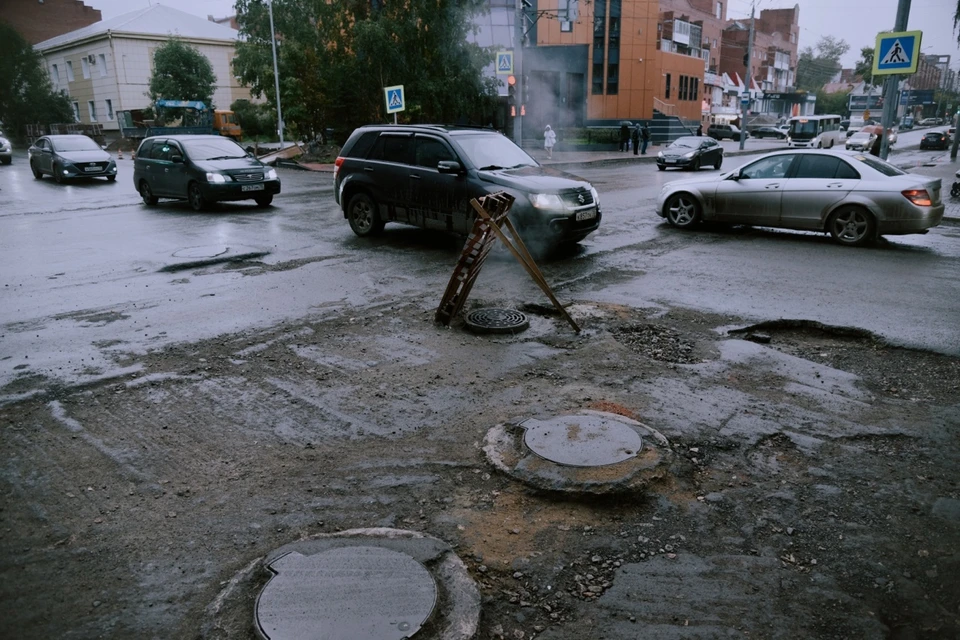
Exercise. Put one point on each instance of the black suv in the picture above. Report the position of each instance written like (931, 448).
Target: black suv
(201, 169)
(426, 175)
(722, 131)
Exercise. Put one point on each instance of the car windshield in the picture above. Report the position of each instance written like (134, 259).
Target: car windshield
(685, 143)
(860, 135)
(882, 166)
(213, 148)
(79, 143)
(493, 151)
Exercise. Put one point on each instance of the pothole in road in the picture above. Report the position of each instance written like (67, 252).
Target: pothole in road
(591, 452)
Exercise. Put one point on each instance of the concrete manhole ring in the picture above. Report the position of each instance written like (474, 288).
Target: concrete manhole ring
(589, 452)
(381, 584)
(496, 321)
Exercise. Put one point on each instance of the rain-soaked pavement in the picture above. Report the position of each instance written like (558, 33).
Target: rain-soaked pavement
(89, 270)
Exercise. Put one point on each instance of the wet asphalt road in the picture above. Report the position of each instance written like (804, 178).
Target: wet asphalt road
(89, 273)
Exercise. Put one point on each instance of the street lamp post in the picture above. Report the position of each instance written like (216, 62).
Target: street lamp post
(276, 74)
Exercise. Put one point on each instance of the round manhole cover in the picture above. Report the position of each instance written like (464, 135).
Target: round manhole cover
(357, 592)
(200, 252)
(582, 441)
(496, 321)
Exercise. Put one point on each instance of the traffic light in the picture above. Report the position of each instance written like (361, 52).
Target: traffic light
(512, 95)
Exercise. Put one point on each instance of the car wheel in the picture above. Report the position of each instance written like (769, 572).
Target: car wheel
(661, 167)
(955, 191)
(57, 174)
(696, 164)
(264, 200)
(36, 172)
(363, 216)
(195, 197)
(146, 193)
(852, 226)
(683, 210)
(719, 161)
(111, 178)
(7, 160)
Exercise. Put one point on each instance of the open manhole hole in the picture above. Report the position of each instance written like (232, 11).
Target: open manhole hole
(361, 584)
(590, 452)
(496, 321)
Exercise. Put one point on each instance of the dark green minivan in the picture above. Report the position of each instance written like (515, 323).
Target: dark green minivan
(201, 169)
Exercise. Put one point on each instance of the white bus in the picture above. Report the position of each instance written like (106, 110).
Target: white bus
(816, 132)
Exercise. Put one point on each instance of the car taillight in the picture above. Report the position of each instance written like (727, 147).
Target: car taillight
(919, 197)
(336, 166)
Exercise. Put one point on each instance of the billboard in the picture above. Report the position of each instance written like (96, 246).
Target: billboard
(916, 97)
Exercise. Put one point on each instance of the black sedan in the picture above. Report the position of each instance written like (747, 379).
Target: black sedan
(935, 140)
(768, 132)
(70, 156)
(691, 152)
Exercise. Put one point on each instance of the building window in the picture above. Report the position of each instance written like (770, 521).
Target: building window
(666, 93)
(55, 74)
(102, 61)
(719, 11)
(85, 67)
(76, 110)
(109, 109)
(613, 49)
(599, 41)
(793, 38)
(696, 89)
(70, 75)
(683, 88)
(92, 108)
(566, 26)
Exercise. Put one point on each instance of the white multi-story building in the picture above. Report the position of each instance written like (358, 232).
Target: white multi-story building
(106, 66)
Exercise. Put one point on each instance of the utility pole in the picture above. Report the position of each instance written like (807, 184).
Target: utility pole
(518, 73)
(891, 88)
(276, 75)
(744, 100)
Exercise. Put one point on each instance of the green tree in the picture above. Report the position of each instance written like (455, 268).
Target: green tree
(817, 65)
(832, 103)
(26, 97)
(181, 72)
(335, 58)
(864, 66)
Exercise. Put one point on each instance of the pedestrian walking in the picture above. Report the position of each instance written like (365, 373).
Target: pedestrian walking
(875, 148)
(635, 137)
(644, 139)
(700, 130)
(624, 135)
(549, 139)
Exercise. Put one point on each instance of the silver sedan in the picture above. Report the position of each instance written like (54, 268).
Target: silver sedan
(853, 197)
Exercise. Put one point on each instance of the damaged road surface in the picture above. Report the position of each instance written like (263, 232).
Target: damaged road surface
(168, 437)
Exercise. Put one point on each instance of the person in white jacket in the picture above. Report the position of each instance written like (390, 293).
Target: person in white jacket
(549, 139)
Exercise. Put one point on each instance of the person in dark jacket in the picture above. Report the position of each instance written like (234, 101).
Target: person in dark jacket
(875, 148)
(700, 130)
(644, 139)
(624, 136)
(635, 138)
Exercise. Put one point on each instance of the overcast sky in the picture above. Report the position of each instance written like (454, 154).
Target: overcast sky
(856, 21)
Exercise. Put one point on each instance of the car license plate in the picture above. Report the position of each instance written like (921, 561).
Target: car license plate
(586, 215)
(92, 169)
(252, 187)
(670, 162)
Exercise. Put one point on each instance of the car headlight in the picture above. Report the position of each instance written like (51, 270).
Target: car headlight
(660, 155)
(596, 196)
(216, 178)
(271, 174)
(546, 201)
(689, 155)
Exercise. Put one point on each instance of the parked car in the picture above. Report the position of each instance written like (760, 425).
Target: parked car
(769, 132)
(201, 169)
(66, 157)
(845, 125)
(785, 128)
(935, 140)
(861, 141)
(724, 131)
(426, 176)
(929, 122)
(6, 151)
(853, 197)
(907, 123)
(691, 152)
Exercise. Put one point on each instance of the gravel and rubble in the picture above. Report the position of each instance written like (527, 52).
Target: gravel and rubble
(814, 489)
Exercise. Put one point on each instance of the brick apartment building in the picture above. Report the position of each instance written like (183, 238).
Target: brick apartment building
(39, 20)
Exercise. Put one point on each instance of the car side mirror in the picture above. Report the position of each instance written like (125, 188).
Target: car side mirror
(176, 158)
(736, 176)
(449, 166)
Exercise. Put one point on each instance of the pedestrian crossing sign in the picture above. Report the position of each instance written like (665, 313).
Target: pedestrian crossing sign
(504, 63)
(395, 101)
(897, 53)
